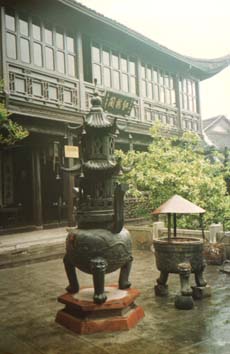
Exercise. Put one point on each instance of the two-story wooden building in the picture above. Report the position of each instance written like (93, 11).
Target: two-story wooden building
(51, 52)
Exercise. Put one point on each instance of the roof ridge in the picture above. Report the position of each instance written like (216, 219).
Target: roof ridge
(214, 120)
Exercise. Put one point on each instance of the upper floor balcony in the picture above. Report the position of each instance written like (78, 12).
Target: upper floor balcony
(48, 69)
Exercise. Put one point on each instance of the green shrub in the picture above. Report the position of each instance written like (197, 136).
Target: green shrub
(178, 165)
(10, 132)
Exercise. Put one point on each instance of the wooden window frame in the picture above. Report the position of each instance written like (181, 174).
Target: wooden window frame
(188, 100)
(112, 69)
(43, 45)
(158, 84)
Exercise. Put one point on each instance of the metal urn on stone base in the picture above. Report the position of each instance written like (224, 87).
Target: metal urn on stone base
(100, 244)
(180, 255)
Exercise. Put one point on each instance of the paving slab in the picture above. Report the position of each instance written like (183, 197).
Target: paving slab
(28, 306)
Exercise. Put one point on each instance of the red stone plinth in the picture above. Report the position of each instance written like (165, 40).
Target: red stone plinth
(83, 316)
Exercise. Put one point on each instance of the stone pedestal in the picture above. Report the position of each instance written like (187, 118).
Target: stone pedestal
(184, 302)
(83, 316)
(201, 292)
(213, 231)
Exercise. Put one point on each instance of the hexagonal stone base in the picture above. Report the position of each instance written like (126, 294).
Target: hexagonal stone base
(83, 316)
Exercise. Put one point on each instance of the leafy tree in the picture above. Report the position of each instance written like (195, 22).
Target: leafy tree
(226, 169)
(177, 165)
(10, 132)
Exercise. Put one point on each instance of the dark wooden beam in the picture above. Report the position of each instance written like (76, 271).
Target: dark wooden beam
(37, 189)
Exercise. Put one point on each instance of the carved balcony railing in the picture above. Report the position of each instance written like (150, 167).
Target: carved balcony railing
(52, 91)
(191, 122)
(35, 87)
(167, 115)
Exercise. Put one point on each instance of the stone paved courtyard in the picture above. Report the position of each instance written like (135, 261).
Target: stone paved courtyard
(28, 307)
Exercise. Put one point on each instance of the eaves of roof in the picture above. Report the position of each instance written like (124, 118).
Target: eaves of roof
(200, 68)
(208, 122)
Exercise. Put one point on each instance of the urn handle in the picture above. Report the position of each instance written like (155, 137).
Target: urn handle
(119, 194)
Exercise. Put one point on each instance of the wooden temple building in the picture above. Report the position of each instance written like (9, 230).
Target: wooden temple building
(51, 52)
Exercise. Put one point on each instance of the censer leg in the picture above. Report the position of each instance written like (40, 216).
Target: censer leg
(199, 278)
(161, 289)
(202, 289)
(98, 268)
(124, 275)
(73, 286)
(184, 301)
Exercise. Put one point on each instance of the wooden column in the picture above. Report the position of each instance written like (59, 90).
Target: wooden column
(2, 33)
(139, 92)
(169, 226)
(178, 104)
(1, 178)
(80, 71)
(174, 224)
(37, 187)
(198, 106)
(71, 218)
(4, 75)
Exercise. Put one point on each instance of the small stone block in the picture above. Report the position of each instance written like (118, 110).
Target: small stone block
(200, 292)
(184, 302)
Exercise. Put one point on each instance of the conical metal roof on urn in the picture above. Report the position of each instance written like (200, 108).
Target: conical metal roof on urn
(178, 205)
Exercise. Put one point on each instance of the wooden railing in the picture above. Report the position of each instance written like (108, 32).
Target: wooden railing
(33, 86)
(53, 91)
(167, 115)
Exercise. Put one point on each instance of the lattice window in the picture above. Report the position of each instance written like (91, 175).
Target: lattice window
(98, 146)
(30, 42)
(187, 90)
(111, 145)
(113, 69)
(157, 85)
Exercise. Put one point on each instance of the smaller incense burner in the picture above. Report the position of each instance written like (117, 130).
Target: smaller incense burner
(100, 244)
(180, 255)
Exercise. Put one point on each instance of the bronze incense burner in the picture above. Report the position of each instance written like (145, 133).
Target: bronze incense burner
(100, 244)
